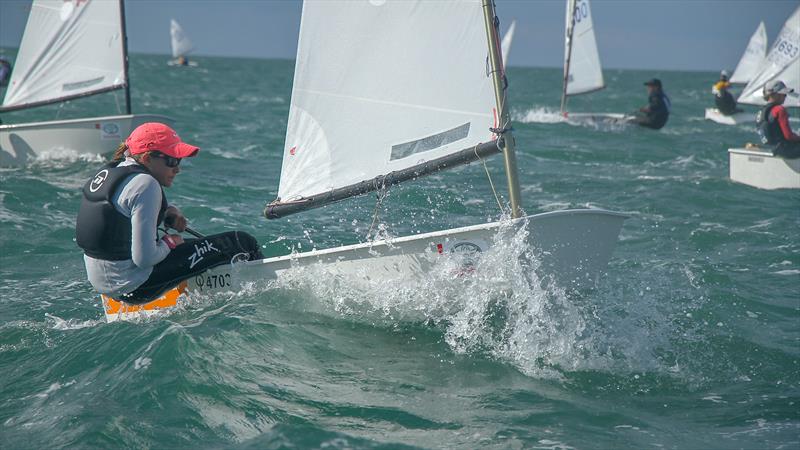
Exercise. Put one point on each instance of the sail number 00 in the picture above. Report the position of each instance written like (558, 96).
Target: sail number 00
(581, 11)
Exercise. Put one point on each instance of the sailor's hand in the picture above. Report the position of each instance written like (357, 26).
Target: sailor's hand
(172, 240)
(175, 219)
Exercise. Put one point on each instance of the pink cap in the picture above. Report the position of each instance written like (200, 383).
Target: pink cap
(154, 136)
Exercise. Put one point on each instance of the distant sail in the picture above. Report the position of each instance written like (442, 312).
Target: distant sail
(181, 45)
(753, 56)
(782, 63)
(585, 73)
(506, 43)
(68, 50)
(381, 87)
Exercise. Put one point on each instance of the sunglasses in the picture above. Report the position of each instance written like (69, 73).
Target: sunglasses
(169, 161)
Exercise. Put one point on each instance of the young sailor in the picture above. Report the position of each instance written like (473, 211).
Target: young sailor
(658, 107)
(723, 99)
(772, 122)
(123, 205)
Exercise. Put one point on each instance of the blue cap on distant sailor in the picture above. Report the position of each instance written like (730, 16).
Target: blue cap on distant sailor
(653, 82)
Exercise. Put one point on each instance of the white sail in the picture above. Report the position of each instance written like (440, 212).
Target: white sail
(69, 49)
(584, 72)
(753, 56)
(781, 64)
(383, 86)
(505, 45)
(181, 45)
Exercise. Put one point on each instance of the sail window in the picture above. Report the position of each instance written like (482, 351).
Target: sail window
(427, 143)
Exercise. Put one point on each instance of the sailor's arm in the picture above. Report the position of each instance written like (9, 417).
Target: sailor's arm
(146, 249)
(783, 120)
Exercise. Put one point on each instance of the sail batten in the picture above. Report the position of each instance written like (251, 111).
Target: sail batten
(782, 63)
(69, 50)
(406, 80)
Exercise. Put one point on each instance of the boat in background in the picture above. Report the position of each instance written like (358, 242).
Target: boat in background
(583, 72)
(749, 64)
(753, 57)
(762, 169)
(782, 63)
(427, 103)
(505, 44)
(69, 50)
(181, 46)
(738, 118)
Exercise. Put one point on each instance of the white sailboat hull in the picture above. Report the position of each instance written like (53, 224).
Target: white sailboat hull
(713, 114)
(608, 118)
(763, 170)
(572, 246)
(21, 143)
(176, 63)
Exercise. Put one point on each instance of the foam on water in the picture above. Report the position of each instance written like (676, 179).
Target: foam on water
(499, 308)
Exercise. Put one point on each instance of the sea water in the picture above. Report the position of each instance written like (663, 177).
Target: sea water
(689, 341)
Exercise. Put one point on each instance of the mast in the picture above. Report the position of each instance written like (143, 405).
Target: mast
(571, 5)
(125, 57)
(499, 81)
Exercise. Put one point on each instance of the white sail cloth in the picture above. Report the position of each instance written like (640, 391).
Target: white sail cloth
(69, 49)
(753, 56)
(382, 86)
(181, 44)
(585, 73)
(782, 63)
(505, 45)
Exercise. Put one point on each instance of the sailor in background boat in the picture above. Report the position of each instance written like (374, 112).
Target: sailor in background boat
(5, 72)
(656, 113)
(772, 122)
(122, 207)
(723, 99)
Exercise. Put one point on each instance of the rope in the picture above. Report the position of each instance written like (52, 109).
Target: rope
(491, 183)
(380, 194)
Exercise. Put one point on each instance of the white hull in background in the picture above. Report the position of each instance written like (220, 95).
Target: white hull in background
(175, 63)
(763, 170)
(573, 247)
(22, 143)
(599, 118)
(713, 114)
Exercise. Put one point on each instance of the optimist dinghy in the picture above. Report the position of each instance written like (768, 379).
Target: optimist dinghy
(431, 103)
(70, 49)
(181, 46)
(583, 72)
(760, 168)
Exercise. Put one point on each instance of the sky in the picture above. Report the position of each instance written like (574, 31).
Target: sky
(631, 34)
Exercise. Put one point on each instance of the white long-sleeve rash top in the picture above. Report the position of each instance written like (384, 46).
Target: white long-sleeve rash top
(139, 198)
